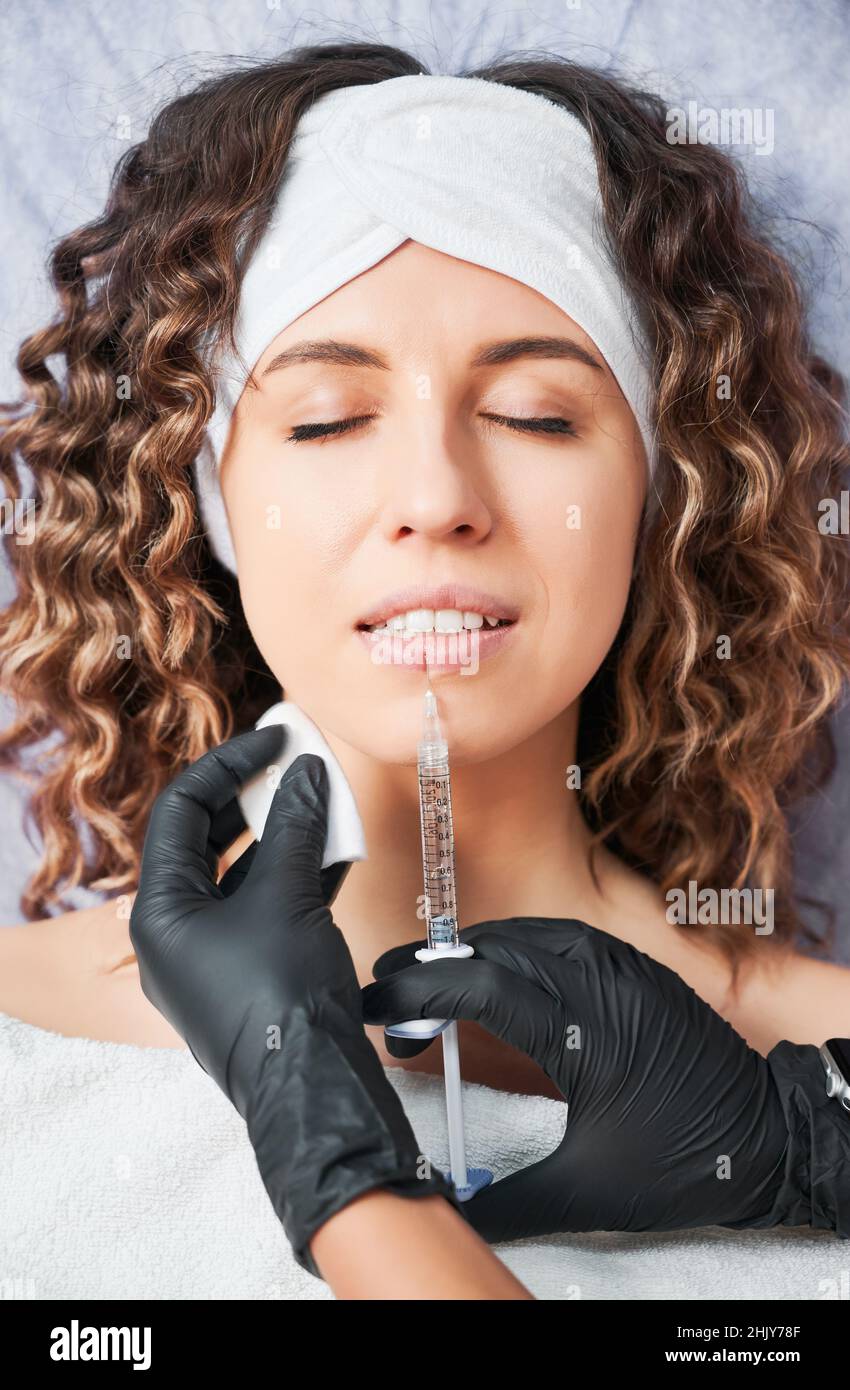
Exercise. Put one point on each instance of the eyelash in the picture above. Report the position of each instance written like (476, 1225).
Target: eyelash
(318, 433)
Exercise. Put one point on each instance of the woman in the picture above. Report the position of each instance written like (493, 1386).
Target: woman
(143, 656)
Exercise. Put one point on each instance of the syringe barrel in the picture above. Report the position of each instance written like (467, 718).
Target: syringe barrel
(438, 851)
(434, 757)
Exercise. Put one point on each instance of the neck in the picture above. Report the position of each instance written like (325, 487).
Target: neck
(520, 842)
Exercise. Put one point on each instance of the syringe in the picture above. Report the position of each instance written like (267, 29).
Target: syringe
(438, 861)
(438, 840)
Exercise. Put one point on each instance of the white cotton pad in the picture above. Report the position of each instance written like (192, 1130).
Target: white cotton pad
(345, 839)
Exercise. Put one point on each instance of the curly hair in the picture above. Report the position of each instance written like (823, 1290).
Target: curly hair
(128, 640)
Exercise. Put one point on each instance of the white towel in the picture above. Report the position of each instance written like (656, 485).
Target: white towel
(125, 1173)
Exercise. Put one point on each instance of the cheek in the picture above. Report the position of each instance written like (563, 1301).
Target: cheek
(292, 537)
(580, 538)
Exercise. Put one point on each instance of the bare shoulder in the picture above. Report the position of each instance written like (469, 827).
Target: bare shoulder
(797, 998)
(76, 974)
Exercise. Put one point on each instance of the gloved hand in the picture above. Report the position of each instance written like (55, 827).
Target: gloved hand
(673, 1121)
(258, 979)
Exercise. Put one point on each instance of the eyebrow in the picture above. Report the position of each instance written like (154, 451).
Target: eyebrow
(493, 355)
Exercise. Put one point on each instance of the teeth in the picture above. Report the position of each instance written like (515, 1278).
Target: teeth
(419, 620)
(435, 620)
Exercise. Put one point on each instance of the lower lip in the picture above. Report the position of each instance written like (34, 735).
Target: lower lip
(454, 653)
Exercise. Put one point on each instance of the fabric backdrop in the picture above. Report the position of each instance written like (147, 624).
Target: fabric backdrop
(80, 82)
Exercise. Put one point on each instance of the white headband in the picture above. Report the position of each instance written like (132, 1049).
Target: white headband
(487, 173)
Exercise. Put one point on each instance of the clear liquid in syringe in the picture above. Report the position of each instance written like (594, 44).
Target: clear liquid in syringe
(435, 811)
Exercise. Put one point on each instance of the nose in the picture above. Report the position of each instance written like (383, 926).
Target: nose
(433, 483)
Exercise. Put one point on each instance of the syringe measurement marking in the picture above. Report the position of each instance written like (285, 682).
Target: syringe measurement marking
(437, 844)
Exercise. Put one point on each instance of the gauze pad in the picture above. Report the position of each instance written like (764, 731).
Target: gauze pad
(345, 838)
(486, 173)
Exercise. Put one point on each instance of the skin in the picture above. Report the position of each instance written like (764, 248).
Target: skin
(433, 491)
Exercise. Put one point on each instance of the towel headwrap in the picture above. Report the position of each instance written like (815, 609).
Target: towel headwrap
(503, 178)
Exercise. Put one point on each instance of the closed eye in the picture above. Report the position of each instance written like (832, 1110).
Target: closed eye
(320, 430)
(544, 424)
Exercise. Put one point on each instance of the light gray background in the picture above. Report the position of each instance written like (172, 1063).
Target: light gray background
(74, 75)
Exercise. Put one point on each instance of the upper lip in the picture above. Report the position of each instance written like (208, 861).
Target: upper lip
(461, 596)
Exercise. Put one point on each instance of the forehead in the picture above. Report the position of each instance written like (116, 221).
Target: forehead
(419, 301)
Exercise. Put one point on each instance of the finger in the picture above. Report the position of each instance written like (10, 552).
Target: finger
(238, 872)
(478, 990)
(505, 941)
(176, 848)
(398, 957)
(292, 844)
(227, 825)
(511, 949)
(395, 959)
(404, 1048)
(566, 937)
(537, 1201)
(332, 879)
(584, 992)
(556, 934)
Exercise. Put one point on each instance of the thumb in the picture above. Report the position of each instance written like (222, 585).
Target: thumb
(545, 1198)
(478, 990)
(292, 844)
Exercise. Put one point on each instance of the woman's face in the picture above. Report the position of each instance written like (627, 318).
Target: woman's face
(437, 483)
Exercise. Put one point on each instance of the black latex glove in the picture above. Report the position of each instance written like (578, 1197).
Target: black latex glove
(259, 981)
(664, 1096)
